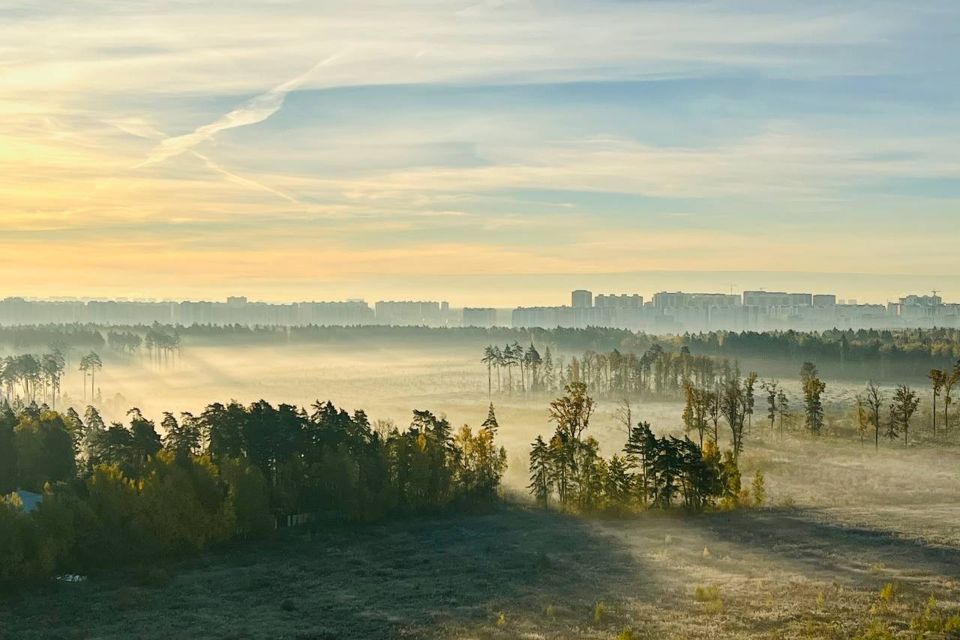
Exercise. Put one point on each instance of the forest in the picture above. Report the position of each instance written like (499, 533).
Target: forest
(119, 493)
(847, 354)
(652, 472)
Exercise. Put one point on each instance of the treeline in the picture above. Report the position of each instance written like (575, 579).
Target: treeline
(876, 413)
(651, 472)
(122, 493)
(899, 408)
(887, 352)
(653, 373)
(29, 378)
(60, 336)
(125, 337)
(32, 377)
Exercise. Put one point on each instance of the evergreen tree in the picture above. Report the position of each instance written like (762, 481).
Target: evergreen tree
(491, 424)
(181, 438)
(772, 389)
(641, 451)
(617, 487)
(540, 463)
(668, 471)
(749, 384)
(813, 389)
(145, 441)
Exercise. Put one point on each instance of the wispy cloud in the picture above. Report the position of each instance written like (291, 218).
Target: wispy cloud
(490, 135)
(254, 111)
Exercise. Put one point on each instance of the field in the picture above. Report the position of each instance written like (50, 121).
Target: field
(517, 572)
(842, 522)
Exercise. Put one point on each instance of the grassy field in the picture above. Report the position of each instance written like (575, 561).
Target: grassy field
(517, 572)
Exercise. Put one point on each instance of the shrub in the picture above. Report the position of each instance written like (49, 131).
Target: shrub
(878, 630)
(932, 621)
(599, 611)
(706, 594)
(759, 489)
(889, 592)
(710, 597)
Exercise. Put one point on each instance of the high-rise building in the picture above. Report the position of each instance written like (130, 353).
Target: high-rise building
(581, 299)
(409, 312)
(772, 299)
(622, 301)
(485, 317)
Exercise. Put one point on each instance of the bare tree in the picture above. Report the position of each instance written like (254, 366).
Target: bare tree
(873, 398)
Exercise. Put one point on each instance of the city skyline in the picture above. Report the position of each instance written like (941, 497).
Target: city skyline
(531, 293)
(664, 312)
(320, 146)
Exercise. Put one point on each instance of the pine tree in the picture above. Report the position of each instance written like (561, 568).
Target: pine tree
(491, 424)
(749, 399)
(640, 453)
(772, 389)
(618, 483)
(783, 409)
(813, 388)
(667, 471)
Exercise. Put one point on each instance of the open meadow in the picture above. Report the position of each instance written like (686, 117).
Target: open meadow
(841, 523)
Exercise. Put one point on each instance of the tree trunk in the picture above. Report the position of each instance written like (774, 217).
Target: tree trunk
(934, 414)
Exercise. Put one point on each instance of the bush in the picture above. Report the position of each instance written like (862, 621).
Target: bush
(710, 597)
(599, 611)
(889, 592)
(759, 489)
(24, 554)
(706, 594)
(878, 630)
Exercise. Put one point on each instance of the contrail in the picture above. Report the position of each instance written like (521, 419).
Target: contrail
(232, 177)
(255, 110)
(143, 130)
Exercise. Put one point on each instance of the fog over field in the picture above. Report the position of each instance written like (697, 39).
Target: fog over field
(907, 490)
(841, 522)
(389, 383)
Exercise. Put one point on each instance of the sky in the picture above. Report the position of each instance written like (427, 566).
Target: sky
(486, 153)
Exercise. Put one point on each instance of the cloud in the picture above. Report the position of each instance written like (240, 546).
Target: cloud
(254, 111)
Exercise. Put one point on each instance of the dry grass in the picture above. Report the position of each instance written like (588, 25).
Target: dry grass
(516, 572)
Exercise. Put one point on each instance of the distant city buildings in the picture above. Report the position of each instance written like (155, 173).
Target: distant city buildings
(413, 313)
(581, 299)
(484, 317)
(667, 312)
(679, 312)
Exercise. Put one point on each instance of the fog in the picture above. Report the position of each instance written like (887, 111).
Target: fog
(838, 474)
(842, 520)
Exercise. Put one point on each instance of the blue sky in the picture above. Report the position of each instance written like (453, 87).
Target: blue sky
(484, 152)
